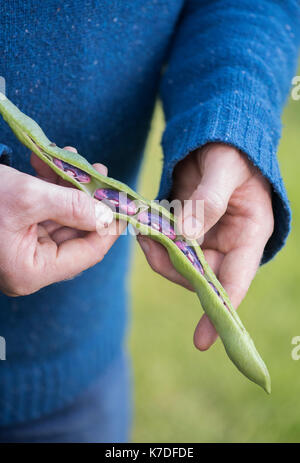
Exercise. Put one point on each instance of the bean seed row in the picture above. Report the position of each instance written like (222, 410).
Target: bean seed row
(124, 205)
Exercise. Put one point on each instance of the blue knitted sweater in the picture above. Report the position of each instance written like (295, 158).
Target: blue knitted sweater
(89, 72)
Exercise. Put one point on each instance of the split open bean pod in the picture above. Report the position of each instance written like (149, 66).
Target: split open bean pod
(150, 218)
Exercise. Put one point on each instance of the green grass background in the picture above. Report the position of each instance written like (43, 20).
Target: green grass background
(182, 395)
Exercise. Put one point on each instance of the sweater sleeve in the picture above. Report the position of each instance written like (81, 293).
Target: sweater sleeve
(228, 76)
(5, 155)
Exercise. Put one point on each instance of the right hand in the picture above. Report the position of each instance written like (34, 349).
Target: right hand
(48, 232)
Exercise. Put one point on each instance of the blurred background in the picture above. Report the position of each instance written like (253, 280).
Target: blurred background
(183, 395)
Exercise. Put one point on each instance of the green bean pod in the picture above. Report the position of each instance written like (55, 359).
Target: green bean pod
(77, 170)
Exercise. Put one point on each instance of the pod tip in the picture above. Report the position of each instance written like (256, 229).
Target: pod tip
(267, 388)
(267, 383)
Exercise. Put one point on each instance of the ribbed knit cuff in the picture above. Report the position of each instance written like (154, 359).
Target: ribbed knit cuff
(247, 130)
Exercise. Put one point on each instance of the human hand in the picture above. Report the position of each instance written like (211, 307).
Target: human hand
(238, 221)
(48, 232)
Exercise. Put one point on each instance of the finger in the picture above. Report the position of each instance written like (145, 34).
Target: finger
(44, 171)
(214, 259)
(101, 168)
(58, 233)
(39, 201)
(50, 226)
(213, 192)
(159, 261)
(42, 234)
(205, 334)
(70, 148)
(236, 273)
(60, 180)
(75, 256)
(66, 233)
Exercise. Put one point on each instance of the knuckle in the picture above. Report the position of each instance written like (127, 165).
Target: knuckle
(26, 194)
(266, 221)
(238, 291)
(215, 202)
(269, 222)
(269, 226)
(79, 204)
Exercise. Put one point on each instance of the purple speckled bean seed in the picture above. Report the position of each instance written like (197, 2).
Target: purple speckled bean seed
(158, 223)
(218, 293)
(72, 171)
(120, 201)
(214, 288)
(189, 252)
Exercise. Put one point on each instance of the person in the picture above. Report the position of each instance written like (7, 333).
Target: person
(88, 73)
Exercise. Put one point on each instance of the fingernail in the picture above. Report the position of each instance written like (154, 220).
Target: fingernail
(70, 148)
(104, 216)
(144, 245)
(192, 228)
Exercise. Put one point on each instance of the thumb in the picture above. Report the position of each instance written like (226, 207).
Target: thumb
(220, 177)
(67, 206)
